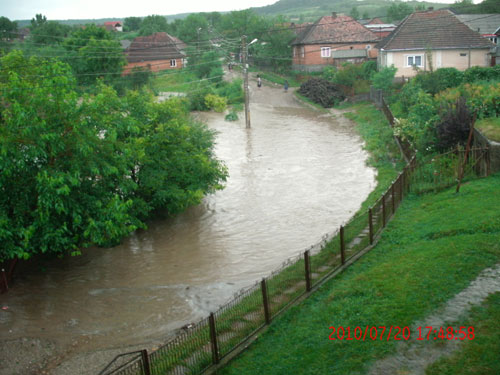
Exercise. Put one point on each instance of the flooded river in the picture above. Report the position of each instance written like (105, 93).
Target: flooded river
(295, 176)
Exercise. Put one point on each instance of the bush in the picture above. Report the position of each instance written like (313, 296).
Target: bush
(454, 127)
(441, 79)
(478, 73)
(383, 80)
(233, 91)
(322, 92)
(215, 102)
(231, 116)
(197, 98)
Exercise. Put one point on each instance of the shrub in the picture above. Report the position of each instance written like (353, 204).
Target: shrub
(322, 92)
(454, 127)
(383, 80)
(215, 102)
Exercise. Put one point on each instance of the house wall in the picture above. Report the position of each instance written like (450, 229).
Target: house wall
(460, 59)
(312, 60)
(154, 66)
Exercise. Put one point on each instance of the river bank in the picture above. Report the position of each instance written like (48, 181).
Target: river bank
(294, 177)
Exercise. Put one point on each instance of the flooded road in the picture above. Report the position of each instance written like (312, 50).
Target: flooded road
(295, 176)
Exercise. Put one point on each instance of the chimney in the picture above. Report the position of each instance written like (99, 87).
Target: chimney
(334, 14)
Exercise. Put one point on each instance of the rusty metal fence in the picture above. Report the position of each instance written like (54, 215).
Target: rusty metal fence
(203, 345)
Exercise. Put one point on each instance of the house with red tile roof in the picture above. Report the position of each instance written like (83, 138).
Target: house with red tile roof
(156, 52)
(113, 25)
(433, 39)
(333, 40)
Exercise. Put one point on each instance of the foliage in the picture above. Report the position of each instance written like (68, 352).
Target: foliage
(232, 91)
(132, 24)
(82, 170)
(196, 97)
(383, 79)
(85, 49)
(329, 73)
(153, 24)
(194, 29)
(439, 80)
(206, 65)
(231, 116)
(50, 32)
(478, 73)
(354, 13)
(398, 10)
(454, 125)
(322, 92)
(8, 29)
(215, 102)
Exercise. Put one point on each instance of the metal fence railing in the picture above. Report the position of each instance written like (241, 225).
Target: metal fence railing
(203, 345)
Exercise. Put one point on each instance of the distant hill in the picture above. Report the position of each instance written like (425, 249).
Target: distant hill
(311, 10)
(295, 10)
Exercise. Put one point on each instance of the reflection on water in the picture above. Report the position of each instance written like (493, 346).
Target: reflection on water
(294, 177)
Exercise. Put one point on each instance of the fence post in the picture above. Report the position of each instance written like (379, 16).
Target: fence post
(342, 245)
(401, 186)
(370, 224)
(383, 211)
(213, 339)
(393, 198)
(4, 277)
(488, 160)
(307, 265)
(145, 362)
(265, 300)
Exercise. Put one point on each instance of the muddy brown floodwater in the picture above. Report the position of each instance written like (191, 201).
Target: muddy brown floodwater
(295, 176)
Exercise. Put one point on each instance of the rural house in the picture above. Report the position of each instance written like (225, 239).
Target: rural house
(433, 39)
(332, 40)
(113, 25)
(156, 52)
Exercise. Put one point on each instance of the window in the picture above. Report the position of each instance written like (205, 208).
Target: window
(494, 39)
(415, 60)
(302, 52)
(173, 63)
(463, 54)
(326, 52)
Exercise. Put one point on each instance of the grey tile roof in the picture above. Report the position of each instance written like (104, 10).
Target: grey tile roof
(482, 23)
(438, 29)
(335, 29)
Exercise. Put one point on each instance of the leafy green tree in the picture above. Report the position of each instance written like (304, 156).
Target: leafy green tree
(398, 10)
(132, 23)
(489, 6)
(354, 13)
(366, 15)
(384, 79)
(87, 170)
(94, 54)
(8, 29)
(153, 24)
(50, 32)
(38, 21)
(239, 23)
(194, 29)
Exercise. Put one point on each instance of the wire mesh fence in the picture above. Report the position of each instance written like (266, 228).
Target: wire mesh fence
(239, 318)
(188, 353)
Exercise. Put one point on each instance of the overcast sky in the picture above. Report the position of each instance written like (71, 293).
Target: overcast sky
(88, 9)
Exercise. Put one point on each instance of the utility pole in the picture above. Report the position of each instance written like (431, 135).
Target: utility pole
(245, 83)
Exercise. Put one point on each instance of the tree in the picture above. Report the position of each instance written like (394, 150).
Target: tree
(397, 11)
(77, 171)
(239, 23)
(8, 29)
(50, 32)
(366, 15)
(194, 29)
(94, 54)
(384, 79)
(153, 24)
(132, 23)
(38, 21)
(354, 13)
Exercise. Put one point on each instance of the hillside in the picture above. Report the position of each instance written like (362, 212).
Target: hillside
(311, 10)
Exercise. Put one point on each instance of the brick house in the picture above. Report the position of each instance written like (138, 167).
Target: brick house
(156, 52)
(436, 36)
(333, 40)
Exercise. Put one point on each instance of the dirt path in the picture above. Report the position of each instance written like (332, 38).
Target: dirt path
(413, 356)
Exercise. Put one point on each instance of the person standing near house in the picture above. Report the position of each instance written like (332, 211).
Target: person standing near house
(286, 85)
(259, 81)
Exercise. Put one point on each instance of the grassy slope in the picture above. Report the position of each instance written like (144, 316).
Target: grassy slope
(432, 249)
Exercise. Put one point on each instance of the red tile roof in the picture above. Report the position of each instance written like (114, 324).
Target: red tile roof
(335, 29)
(438, 29)
(159, 46)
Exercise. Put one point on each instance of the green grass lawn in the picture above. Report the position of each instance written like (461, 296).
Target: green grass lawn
(432, 249)
(173, 81)
(490, 127)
